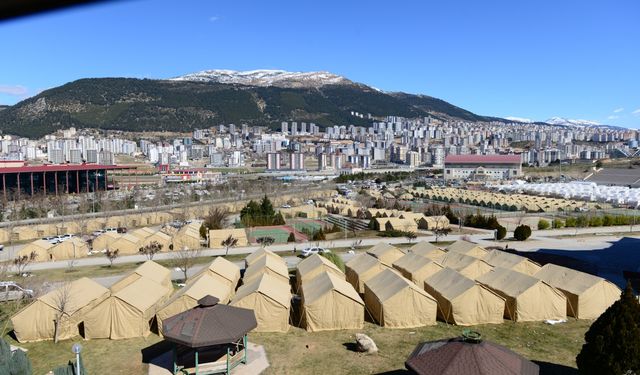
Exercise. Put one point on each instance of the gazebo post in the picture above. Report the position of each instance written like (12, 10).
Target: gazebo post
(174, 351)
(244, 344)
(196, 361)
(228, 369)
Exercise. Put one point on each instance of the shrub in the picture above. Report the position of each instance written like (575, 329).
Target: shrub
(543, 224)
(522, 232)
(595, 221)
(291, 238)
(557, 223)
(203, 231)
(13, 363)
(582, 222)
(319, 236)
(570, 222)
(502, 232)
(608, 221)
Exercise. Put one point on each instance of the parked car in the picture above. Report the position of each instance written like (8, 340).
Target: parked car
(10, 291)
(97, 232)
(51, 239)
(112, 229)
(314, 250)
(285, 206)
(121, 230)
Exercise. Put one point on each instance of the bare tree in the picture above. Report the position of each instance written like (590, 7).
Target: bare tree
(441, 229)
(216, 218)
(111, 255)
(185, 259)
(228, 243)
(22, 261)
(410, 236)
(61, 301)
(151, 249)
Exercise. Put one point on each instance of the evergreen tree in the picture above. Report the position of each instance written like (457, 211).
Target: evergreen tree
(522, 232)
(612, 344)
(16, 363)
(266, 207)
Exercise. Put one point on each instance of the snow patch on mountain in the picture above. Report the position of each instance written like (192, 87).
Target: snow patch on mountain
(518, 119)
(566, 121)
(278, 78)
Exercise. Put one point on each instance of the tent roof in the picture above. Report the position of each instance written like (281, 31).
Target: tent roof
(450, 283)
(142, 293)
(363, 262)
(268, 286)
(381, 249)
(511, 283)
(143, 233)
(462, 246)
(258, 254)
(78, 293)
(412, 262)
(424, 247)
(498, 258)
(208, 324)
(46, 245)
(153, 271)
(200, 287)
(276, 265)
(326, 282)
(457, 261)
(315, 261)
(388, 283)
(224, 268)
(572, 281)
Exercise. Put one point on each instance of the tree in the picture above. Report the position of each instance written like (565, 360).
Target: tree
(612, 343)
(265, 241)
(522, 232)
(278, 219)
(13, 363)
(61, 300)
(111, 255)
(151, 249)
(319, 235)
(229, 243)
(185, 259)
(203, 231)
(441, 232)
(501, 232)
(22, 261)
(291, 238)
(410, 236)
(335, 259)
(543, 224)
(215, 219)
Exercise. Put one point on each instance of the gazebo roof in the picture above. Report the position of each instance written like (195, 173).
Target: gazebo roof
(209, 324)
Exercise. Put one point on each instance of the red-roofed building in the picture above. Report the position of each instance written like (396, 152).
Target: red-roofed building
(482, 167)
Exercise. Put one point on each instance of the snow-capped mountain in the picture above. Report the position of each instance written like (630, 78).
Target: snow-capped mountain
(278, 78)
(518, 119)
(565, 121)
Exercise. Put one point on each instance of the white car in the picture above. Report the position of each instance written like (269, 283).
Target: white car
(314, 250)
(285, 206)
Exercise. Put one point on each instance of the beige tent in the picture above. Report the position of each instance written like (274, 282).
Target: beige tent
(385, 253)
(433, 222)
(270, 300)
(24, 233)
(527, 298)
(187, 297)
(362, 268)
(514, 262)
(396, 302)
(313, 266)
(269, 265)
(72, 248)
(160, 237)
(126, 244)
(188, 237)
(405, 225)
(330, 303)
(142, 233)
(150, 270)
(467, 248)
(428, 250)
(127, 313)
(224, 271)
(588, 296)
(4, 236)
(467, 265)
(463, 301)
(36, 321)
(217, 236)
(256, 255)
(416, 267)
(105, 240)
(40, 247)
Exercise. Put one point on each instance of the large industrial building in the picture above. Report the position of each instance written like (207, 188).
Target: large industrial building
(482, 167)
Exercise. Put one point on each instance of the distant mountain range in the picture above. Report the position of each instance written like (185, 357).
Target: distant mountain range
(213, 97)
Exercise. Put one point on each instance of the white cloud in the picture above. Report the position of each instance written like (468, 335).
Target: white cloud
(636, 112)
(14, 90)
(213, 18)
(618, 110)
(612, 117)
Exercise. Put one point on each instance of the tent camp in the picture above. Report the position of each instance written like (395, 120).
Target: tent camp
(467, 248)
(588, 296)
(150, 270)
(361, 268)
(72, 248)
(385, 253)
(105, 240)
(256, 255)
(217, 236)
(514, 262)
(428, 250)
(35, 322)
(463, 301)
(127, 313)
(188, 237)
(527, 298)
(270, 300)
(396, 302)
(416, 267)
(126, 244)
(40, 247)
(148, 235)
(313, 266)
(469, 266)
(267, 264)
(330, 303)
(187, 297)
(223, 270)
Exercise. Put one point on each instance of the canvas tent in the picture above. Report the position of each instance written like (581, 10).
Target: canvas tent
(270, 300)
(467, 248)
(588, 296)
(313, 266)
(385, 253)
(128, 312)
(104, 241)
(416, 267)
(224, 271)
(463, 301)
(428, 250)
(330, 303)
(269, 265)
(187, 297)
(126, 244)
(361, 268)
(469, 266)
(498, 258)
(527, 298)
(256, 255)
(148, 269)
(396, 302)
(188, 237)
(217, 236)
(72, 248)
(40, 247)
(35, 322)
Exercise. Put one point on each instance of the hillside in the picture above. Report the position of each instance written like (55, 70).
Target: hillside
(181, 105)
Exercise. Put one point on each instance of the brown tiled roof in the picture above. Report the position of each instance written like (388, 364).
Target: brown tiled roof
(458, 357)
(209, 324)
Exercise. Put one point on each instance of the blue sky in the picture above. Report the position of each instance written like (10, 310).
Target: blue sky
(530, 59)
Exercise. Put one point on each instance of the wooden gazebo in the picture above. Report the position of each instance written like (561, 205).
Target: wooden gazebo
(210, 338)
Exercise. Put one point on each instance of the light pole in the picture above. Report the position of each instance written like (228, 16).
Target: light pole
(77, 348)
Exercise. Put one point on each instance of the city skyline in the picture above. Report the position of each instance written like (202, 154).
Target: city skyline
(531, 61)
